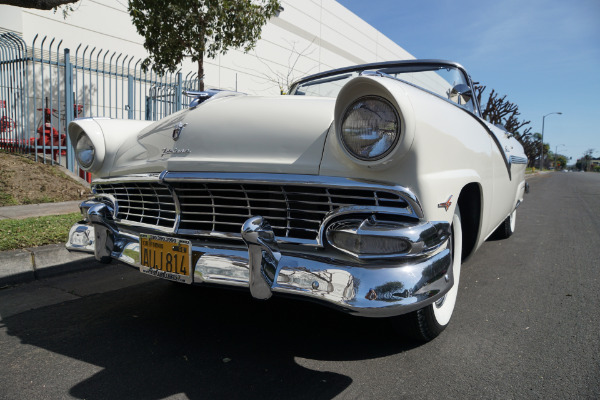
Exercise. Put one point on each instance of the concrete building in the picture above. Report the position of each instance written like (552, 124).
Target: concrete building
(307, 37)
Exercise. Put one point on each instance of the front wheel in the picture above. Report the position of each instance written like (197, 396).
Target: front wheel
(427, 323)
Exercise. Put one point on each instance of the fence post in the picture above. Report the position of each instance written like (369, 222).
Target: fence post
(178, 89)
(69, 108)
(148, 108)
(130, 99)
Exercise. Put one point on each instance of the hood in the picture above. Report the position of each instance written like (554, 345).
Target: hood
(283, 134)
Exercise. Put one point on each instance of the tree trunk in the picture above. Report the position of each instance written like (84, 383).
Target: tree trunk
(201, 72)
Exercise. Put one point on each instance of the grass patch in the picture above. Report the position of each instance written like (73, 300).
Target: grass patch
(25, 181)
(6, 199)
(38, 200)
(37, 231)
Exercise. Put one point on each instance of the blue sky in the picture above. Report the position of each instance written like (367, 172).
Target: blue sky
(544, 55)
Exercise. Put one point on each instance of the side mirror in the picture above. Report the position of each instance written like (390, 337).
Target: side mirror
(462, 93)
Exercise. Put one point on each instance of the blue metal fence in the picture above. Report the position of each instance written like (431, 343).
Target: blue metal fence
(44, 87)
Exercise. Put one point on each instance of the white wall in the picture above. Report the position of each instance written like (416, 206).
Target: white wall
(325, 33)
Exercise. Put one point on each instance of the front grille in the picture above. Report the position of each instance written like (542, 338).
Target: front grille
(294, 211)
(147, 203)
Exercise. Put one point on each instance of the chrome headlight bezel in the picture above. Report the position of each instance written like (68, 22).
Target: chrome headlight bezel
(91, 130)
(379, 128)
(85, 144)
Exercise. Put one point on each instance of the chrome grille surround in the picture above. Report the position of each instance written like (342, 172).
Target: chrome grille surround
(298, 207)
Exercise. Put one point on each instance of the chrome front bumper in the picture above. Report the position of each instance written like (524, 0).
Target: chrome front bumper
(377, 288)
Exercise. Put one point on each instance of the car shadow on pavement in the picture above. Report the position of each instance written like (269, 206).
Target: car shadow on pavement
(159, 339)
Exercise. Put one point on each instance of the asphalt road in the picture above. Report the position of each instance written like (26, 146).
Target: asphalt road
(526, 326)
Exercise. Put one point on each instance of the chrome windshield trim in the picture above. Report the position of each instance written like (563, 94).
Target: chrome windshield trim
(373, 69)
(378, 65)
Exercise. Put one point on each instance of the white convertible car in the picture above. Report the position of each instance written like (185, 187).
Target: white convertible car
(364, 189)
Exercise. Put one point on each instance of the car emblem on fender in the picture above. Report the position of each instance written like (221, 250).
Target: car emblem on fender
(446, 205)
(177, 131)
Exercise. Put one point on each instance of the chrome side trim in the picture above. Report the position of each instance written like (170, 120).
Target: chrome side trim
(517, 160)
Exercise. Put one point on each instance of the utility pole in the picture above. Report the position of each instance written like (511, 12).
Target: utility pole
(542, 144)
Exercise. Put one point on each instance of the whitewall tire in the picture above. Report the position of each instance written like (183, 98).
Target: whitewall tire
(427, 323)
(507, 228)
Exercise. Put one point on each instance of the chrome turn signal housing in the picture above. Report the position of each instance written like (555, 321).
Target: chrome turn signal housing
(371, 238)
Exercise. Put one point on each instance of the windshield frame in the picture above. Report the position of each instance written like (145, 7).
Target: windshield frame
(389, 64)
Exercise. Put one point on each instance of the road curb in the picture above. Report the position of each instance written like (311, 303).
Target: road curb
(26, 265)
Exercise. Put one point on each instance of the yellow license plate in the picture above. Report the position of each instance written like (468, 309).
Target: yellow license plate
(166, 257)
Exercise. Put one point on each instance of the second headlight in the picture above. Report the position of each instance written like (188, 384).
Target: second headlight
(370, 128)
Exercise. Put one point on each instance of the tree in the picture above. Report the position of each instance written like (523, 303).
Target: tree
(533, 150)
(561, 161)
(38, 4)
(499, 111)
(584, 163)
(179, 29)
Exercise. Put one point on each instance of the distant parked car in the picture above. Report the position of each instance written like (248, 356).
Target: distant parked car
(364, 190)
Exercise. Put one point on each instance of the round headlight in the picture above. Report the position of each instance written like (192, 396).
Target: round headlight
(84, 151)
(370, 128)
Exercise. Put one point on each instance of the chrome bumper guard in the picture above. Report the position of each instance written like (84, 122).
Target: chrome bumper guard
(379, 288)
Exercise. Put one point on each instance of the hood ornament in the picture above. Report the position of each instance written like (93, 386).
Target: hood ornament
(177, 131)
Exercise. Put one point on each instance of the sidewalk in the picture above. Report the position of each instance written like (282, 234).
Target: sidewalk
(38, 210)
(25, 265)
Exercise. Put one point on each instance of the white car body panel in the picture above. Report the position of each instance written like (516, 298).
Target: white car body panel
(269, 134)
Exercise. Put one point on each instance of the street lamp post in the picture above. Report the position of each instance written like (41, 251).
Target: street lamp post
(542, 144)
(556, 154)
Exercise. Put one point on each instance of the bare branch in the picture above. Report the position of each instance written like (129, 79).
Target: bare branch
(285, 80)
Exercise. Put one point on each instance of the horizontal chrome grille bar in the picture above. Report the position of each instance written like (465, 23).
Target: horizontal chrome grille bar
(217, 205)
(294, 212)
